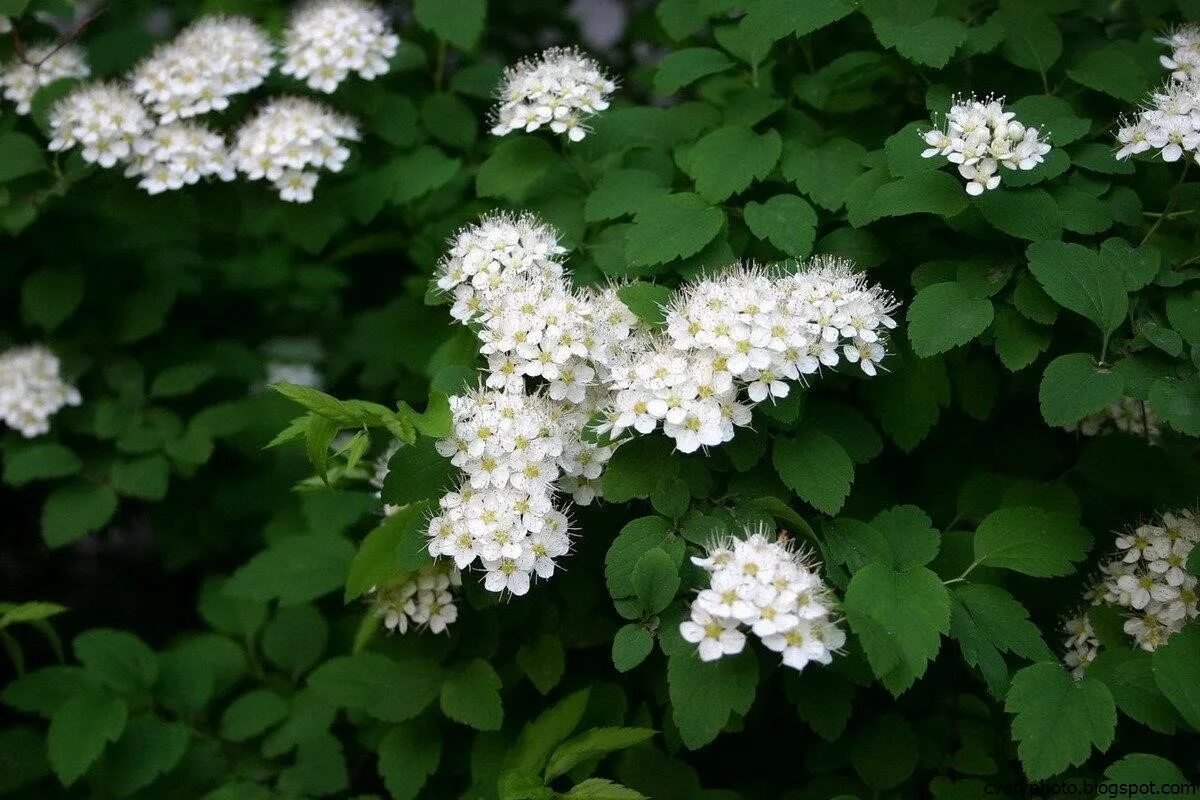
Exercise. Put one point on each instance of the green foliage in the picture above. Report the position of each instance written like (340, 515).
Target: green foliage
(201, 557)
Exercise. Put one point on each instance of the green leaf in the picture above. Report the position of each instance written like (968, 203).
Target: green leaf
(252, 714)
(1082, 212)
(785, 221)
(1177, 403)
(1025, 213)
(417, 472)
(1057, 720)
(117, 659)
(420, 172)
(705, 693)
(726, 161)
(630, 646)
(147, 749)
(1030, 540)
(884, 752)
(79, 730)
(899, 617)
(922, 193)
(1074, 386)
(294, 569)
(646, 301)
(539, 737)
(44, 692)
(625, 475)
(471, 695)
(1114, 71)
(680, 68)
(543, 661)
(393, 691)
(1176, 668)
(987, 621)
(295, 638)
(143, 478)
(514, 167)
(637, 538)
(1146, 775)
(1018, 341)
(816, 468)
(459, 22)
(678, 226)
(908, 401)
(50, 296)
(39, 462)
(20, 155)
(945, 315)
(75, 510)
(655, 579)
(395, 546)
(824, 700)
(596, 743)
(1053, 114)
(930, 41)
(1078, 280)
(1183, 311)
(1031, 38)
(602, 789)
(181, 379)
(823, 172)
(33, 611)
(624, 191)
(768, 21)
(910, 536)
(408, 755)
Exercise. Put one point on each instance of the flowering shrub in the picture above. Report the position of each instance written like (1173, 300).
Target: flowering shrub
(604, 400)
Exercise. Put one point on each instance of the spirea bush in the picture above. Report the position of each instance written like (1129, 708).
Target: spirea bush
(605, 400)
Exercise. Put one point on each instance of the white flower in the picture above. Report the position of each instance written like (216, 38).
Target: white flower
(715, 636)
(292, 372)
(422, 599)
(104, 119)
(179, 154)
(980, 136)
(326, 40)
(210, 61)
(41, 65)
(288, 140)
(769, 587)
(31, 389)
(560, 89)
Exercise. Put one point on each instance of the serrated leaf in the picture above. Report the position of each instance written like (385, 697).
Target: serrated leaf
(596, 743)
(630, 646)
(680, 68)
(1176, 668)
(39, 462)
(471, 694)
(1076, 279)
(117, 659)
(459, 22)
(1057, 720)
(1074, 386)
(79, 730)
(899, 617)
(785, 221)
(294, 569)
(393, 691)
(679, 226)
(1030, 540)
(816, 468)
(726, 161)
(75, 510)
(945, 315)
(395, 546)
(705, 694)
(655, 579)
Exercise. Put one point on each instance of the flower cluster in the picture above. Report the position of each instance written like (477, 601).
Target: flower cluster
(511, 449)
(105, 119)
(179, 154)
(31, 389)
(1127, 415)
(980, 137)
(561, 88)
(769, 588)
(1169, 120)
(288, 140)
(1148, 580)
(1081, 644)
(559, 357)
(328, 39)
(198, 71)
(421, 599)
(41, 65)
(746, 331)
